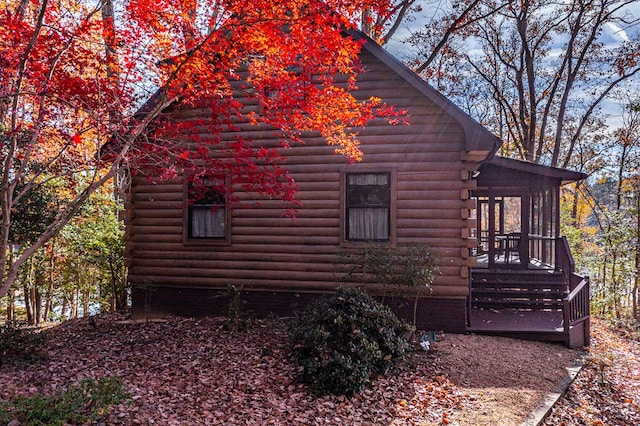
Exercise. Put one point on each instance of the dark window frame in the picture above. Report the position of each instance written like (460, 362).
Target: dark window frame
(213, 203)
(347, 202)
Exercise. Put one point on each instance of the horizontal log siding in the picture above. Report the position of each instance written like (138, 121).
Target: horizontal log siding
(270, 252)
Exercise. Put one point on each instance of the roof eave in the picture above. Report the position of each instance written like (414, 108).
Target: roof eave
(565, 176)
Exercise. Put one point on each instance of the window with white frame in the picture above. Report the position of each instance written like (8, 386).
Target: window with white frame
(368, 206)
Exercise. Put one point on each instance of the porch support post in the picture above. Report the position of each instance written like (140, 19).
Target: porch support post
(492, 230)
(525, 228)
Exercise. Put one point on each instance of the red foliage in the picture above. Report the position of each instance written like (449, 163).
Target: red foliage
(290, 57)
(73, 77)
(286, 66)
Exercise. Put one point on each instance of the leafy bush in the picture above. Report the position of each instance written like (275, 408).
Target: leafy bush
(77, 405)
(412, 266)
(407, 267)
(21, 343)
(342, 340)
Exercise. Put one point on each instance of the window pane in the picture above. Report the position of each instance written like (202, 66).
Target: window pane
(368, 224)
(207, 222)
(368, 190)
(368, 206)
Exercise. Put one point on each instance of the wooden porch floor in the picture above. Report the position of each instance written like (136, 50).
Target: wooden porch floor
(514, 259)
(532, 325)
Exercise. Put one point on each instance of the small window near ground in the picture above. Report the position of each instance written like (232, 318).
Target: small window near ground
(368, 206)
(207, 215)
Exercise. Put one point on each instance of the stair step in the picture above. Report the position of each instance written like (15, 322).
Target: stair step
(527, 290)
(518, 277)
(535, 284)
(527, 278)
(523, 304)
(516, 292)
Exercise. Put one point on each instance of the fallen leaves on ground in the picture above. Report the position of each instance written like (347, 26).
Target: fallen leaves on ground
(607, 389)
(198, 371)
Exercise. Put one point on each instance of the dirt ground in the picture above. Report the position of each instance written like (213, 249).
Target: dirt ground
(607, 389)
(505, 379)
(197, 371)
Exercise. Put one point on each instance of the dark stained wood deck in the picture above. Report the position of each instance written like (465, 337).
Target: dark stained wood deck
(522, 324)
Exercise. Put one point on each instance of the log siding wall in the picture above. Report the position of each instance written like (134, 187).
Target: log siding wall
(266, 252)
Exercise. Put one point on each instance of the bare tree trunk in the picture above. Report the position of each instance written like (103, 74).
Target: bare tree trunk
(74, 304)
(48, 303)
(636, 279)
(49, 292)
(37, 303)
(27, 303)
(63, 309)
(615, 286)
(85, 302)
(604, 285)
(574, 205)
(11, 306)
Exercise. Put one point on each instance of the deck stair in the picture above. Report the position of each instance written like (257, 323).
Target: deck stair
(522, 290)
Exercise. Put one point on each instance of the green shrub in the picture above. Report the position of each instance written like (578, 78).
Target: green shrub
(77, 405)
(342, 340)
(397, 270)
(21, 343)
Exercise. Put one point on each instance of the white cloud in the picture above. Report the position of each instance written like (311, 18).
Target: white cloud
(614, 34)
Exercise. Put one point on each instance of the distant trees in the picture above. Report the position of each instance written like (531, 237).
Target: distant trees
(616, 214)
(78, 272)
(603, 223)
(537, 72)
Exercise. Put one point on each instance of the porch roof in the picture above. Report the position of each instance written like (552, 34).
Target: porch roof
(545, 172)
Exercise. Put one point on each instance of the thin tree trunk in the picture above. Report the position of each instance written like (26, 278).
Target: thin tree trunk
(27, 287)
(37, 303)
(74, 303)
(615, 286)
(604, 285)
(115, 301)
(636, 279)
(27, 303)
(49, 293)
(11, 306)
(63, 309)
(48, 303)
(85, 302)
(574, 206)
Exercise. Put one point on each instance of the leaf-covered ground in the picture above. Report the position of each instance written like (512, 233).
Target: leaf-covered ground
(607, 389)
(197, 371)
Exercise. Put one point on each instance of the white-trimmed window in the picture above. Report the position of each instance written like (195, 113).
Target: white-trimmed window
(368, 206)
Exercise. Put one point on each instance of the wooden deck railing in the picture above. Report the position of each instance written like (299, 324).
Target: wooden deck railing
(576, 308)
(576, 305)
(564, 258)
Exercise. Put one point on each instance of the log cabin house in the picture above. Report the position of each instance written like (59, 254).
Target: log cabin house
(492, 222)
